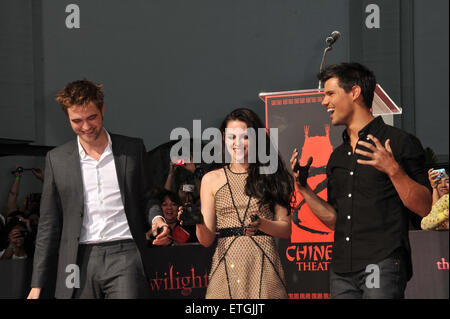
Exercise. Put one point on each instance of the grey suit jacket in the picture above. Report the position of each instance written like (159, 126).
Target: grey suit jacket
(62, 208)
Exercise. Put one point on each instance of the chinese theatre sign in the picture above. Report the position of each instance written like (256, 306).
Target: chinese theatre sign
(304, 124)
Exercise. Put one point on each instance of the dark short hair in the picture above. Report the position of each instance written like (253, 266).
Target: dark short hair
(13, 223)
(172, 196)
(350, 74)
(16, 214)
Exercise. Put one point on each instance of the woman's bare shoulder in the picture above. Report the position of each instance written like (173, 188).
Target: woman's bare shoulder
(214, 179)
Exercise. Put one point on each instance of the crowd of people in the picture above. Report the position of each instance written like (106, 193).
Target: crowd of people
(181, 187)
(18, 227)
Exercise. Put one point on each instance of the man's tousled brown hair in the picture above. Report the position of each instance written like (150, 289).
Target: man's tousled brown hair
(80, 92)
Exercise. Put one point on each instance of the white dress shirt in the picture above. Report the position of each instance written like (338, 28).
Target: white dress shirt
(104, 216)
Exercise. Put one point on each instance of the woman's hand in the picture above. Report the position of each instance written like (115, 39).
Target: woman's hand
(253, 227)
(431, 178)
(160, 232)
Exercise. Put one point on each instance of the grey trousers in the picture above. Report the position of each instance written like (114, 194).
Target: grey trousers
(111, 270)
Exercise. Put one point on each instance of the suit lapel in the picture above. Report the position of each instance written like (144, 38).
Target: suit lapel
(120, 160)
(74, 169)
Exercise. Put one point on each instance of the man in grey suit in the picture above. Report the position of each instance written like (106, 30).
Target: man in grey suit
(93, 207)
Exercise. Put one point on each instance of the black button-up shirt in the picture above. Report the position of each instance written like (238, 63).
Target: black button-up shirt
(372, 221)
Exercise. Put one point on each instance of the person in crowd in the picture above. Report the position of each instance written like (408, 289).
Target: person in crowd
(16, 214)
(30, 205)
(184, 179)
(30, 220)
(182, 176)
(179, 235)
(375, 177)
(437, 219)
(13, 195)
(439, 183)
(18, 245)
(93, 208)
(31, 202)
(247, 209)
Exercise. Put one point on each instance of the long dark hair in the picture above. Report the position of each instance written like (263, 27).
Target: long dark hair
(270, 189)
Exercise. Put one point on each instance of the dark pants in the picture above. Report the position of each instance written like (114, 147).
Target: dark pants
(384, 280)
(111, 270)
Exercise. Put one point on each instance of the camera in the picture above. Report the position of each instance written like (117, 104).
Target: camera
(188, 188)
(191, 215)
(180, 162)
(18, 170)
(24, 234)
(441, 172)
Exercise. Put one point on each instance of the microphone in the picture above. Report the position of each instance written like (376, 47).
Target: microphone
(303, 171)
(334, 36)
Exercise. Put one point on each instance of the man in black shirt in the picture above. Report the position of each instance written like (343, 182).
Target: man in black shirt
(374, 179)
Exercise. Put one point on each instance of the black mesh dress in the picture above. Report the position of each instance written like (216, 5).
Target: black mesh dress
(243, 266)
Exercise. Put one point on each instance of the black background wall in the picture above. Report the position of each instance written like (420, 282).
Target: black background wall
(165, 63)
